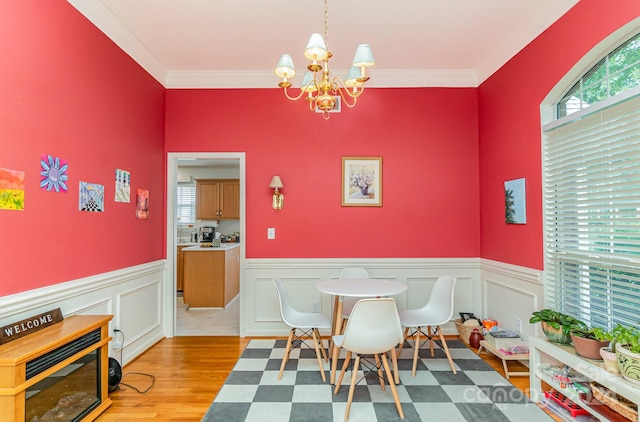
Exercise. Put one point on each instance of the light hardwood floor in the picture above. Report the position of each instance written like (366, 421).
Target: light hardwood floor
(189, 372)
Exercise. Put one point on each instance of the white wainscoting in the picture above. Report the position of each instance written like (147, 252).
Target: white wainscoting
(259, 302)
(132, 295)
(511, 292)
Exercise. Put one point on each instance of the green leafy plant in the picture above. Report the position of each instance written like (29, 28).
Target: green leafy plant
(557, 320)
(595, 333)
(629, 337)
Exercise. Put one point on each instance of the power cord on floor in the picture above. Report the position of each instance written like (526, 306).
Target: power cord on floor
(153, 378)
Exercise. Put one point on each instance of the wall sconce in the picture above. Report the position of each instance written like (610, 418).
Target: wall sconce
(278, 197)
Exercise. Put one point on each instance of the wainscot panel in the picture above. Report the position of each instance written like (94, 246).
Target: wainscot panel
(131, 295)
(511, 292)
(259, 301)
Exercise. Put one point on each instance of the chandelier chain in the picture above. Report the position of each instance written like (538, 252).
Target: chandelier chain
(326, 24)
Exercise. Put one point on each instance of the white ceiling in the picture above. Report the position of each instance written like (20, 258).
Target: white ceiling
(237, 43)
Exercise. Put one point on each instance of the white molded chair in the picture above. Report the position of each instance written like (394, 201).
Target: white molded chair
(308, 322)
(373, 329)
(437, 311)
(348, 302)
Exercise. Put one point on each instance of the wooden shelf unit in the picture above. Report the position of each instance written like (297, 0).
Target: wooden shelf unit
(542, 351)
(15, 355)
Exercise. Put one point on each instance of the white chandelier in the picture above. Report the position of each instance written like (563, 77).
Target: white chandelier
(320, 87)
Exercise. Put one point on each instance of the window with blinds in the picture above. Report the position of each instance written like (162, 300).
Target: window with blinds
(592, 213)
(186, 203)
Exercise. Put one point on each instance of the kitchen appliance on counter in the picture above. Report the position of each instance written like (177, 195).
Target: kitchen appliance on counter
(207, 234)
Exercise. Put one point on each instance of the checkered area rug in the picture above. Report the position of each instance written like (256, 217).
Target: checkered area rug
(252, 391)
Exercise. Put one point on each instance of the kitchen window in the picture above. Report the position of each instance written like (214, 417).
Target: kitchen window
(186, 203)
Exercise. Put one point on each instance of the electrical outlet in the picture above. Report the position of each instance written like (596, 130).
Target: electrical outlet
(315, 306)
(518, 326)
(271, 233)
(117, 339)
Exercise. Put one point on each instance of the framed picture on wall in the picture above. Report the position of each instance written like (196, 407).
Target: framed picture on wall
(361, 181)
(514, 201)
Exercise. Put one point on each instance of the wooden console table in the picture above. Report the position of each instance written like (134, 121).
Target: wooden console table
(505, 357)
(81, 334)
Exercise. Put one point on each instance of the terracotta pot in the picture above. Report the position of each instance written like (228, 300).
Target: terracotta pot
(588, 348)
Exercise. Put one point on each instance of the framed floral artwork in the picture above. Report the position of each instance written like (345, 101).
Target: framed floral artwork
(361, 181)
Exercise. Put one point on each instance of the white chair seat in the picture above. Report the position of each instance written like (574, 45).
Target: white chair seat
(416, 318)
(374, 329)
(308, 322)
(437, 311)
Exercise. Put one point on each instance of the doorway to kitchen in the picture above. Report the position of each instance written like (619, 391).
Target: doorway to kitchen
(183, 168)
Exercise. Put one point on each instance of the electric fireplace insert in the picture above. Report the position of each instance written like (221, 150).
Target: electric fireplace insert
(60, 372)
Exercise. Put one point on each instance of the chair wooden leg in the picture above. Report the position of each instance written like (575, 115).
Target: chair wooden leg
(394, 361)
(446, 351)
(404, 338)
(315, 343)
(393, 386)
(335, 352)
(352, 387)
(380, 375)
(324, 354)
(416, 348)
(285, 358)
(430, 333)
(344, 369)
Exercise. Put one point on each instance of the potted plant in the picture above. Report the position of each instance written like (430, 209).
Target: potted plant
(609, 358)
(589, 341)
(556, 325)
(626, 343)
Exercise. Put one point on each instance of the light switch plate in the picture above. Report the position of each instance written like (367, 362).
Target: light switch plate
(271, 233)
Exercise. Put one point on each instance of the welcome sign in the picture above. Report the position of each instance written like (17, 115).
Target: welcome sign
(29, 325)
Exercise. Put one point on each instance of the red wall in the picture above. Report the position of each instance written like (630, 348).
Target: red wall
(68, 91)
(427, 139)
(510, 129)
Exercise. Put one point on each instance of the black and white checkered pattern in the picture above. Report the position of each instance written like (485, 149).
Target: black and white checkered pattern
(252, 391)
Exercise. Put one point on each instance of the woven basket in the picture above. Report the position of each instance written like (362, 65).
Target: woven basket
(464, 331)
(619, 404)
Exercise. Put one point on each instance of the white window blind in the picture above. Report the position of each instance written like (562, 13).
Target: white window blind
(592, 215)
(186, 203)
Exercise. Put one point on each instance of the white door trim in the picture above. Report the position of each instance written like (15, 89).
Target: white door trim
(169, 320)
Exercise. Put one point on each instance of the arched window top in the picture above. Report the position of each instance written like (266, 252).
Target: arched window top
(617, 72)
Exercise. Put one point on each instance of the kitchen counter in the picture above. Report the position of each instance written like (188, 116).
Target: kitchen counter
(187, 243)
(211, 280)
(223, 247)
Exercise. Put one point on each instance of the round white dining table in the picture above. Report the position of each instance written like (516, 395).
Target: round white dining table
(353, 287)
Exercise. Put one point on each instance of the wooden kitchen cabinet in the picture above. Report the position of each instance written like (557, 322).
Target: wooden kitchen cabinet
(211, 277)
(180, 268)
(218, 199)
